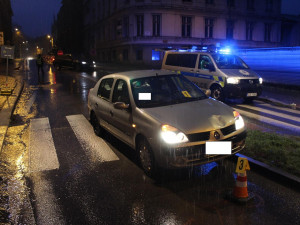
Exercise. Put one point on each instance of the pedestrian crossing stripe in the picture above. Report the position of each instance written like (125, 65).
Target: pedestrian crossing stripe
(42, 152)
(96, 147)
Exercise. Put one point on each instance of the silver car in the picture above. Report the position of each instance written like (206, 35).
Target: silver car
(165, 118)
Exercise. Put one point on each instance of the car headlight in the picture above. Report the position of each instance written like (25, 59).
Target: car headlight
(172, 135)
(260, 80)
(239, 122)
(232, 80)
(83, 62)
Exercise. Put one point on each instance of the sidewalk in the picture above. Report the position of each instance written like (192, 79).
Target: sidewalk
(7, 103)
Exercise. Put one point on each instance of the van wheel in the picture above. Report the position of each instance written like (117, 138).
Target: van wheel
(217, 92)
(146, 158)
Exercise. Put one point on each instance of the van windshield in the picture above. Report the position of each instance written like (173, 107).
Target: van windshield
(229, 62)
(164, 90)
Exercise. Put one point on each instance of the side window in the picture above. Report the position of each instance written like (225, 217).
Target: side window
(105, 88)
(205, 63)
(182, 60)
(120, 93)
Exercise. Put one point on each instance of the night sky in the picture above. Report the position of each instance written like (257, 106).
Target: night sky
(36, 16)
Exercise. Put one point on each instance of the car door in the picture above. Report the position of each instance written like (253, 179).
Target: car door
(121, 119)
(206, 72)
(103, 104)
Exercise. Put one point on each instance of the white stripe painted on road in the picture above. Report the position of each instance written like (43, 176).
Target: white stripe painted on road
(97, 148)
(294, 111)
(269, 120)
(42, 153)
(283, 115)
(47, 207)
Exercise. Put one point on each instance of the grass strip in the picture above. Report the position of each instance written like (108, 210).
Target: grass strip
(275, 150)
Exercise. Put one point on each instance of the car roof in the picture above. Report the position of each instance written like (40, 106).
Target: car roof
(139, 74)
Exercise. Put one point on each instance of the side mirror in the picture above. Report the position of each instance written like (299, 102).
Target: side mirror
(121, 105)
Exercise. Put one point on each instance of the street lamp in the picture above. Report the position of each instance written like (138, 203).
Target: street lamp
(51, 40)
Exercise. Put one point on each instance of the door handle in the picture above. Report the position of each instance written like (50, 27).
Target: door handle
(111, 113)
(96, 104)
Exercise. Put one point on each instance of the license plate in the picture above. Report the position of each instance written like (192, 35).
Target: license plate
(218, 147)
(251, 94)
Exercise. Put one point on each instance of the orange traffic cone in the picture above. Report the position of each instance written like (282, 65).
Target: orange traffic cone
(241, 191)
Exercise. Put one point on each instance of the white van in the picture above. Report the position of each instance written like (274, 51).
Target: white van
(226, 75)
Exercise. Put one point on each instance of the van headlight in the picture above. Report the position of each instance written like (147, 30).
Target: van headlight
(172, 135)
(239, 122)
(232, 80)
(260, 80)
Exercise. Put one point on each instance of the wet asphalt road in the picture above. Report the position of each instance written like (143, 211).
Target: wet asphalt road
(84, 190)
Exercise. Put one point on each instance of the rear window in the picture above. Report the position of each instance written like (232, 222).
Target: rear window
(181, 60)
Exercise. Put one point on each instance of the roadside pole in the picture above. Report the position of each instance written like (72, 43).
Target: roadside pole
(8, 53)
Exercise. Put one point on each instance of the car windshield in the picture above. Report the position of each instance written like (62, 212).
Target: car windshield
(229, 62)
(164, 90)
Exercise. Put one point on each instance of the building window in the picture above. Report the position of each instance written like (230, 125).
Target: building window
(229, 29)
(269, 5)
(156, 25)
(249, 30)
(230, 3)
(209, 27)
(209, 2)
(125, 26)
(139, 25)
(186, 26)
(139, 55)
(125, 54)
(250, 5)
(268, 29)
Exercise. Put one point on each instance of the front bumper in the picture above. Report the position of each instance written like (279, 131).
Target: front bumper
(195, 155)
(241, 90)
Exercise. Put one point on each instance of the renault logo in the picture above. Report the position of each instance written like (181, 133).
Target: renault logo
(217, 135)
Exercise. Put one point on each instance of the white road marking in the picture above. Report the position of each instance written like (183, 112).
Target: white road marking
(48, 210)
(42, 153)
(97, 148)
(279, 108)
(269, 120)
(283, 115)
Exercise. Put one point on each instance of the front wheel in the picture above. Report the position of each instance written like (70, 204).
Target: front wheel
(146, 158)
(217, 92)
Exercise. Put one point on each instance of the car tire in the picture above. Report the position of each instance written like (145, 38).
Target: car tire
(217, 92)
(146, 157)
(96, 125)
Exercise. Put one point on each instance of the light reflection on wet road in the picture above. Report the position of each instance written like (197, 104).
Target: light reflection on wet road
(85, 191)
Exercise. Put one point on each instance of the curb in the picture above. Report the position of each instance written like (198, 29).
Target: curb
(273, 173)
(6, 113)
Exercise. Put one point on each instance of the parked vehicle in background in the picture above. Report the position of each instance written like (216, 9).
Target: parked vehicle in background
(166, 118)
(66, 61)
(226, 75)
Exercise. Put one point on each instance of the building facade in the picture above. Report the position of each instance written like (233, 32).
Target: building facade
(130, 31)
(5, 21)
